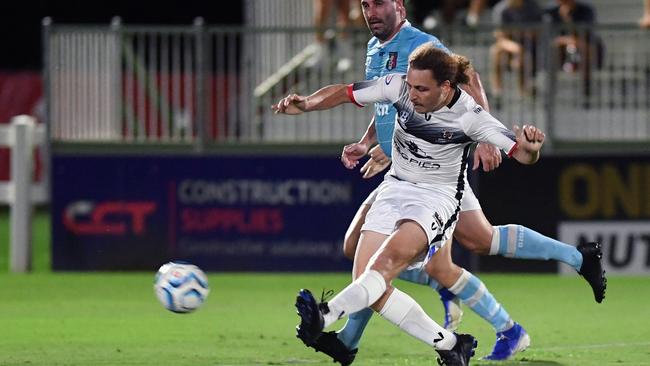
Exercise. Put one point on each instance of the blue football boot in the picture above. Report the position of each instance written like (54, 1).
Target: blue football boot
(509, 342)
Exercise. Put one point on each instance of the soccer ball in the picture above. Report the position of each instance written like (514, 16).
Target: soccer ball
(181, 287)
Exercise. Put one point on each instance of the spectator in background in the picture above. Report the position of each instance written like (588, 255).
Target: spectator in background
(580, 49)
(322, 10)
(516, 46)
(422, 11)
(644, 22)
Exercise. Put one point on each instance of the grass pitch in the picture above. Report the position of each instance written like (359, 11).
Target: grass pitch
(86, 319)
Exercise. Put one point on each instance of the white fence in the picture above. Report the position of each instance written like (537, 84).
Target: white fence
(202, 85)
(21, 136)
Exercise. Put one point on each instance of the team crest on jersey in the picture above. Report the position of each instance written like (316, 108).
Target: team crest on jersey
(403, 116)
(392, 61)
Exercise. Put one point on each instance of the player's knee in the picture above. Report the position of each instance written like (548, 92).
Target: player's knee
(435, 270)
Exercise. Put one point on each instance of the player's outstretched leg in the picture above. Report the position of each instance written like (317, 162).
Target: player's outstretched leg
(516, 241)
(508, 343)
(461, 353)
(511, 337)
(330, 344)
(311, 318)
(592, 269)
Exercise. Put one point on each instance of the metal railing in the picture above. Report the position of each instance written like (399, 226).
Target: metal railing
(202, 85)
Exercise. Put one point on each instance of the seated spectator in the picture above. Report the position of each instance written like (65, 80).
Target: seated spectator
(516, 46)
(580, 49)
(322, 9)
(422, 11)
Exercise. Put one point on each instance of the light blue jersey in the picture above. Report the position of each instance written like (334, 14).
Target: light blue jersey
(392, 57)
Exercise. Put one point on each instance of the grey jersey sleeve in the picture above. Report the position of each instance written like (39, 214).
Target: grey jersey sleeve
(481, 126)
(386, 89)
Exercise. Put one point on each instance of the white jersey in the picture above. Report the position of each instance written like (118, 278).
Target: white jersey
(432, 148)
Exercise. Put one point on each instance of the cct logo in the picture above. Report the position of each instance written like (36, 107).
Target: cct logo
(107, 218)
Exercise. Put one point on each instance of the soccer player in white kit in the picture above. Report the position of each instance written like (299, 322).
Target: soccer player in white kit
(393, 40)
(418, 203)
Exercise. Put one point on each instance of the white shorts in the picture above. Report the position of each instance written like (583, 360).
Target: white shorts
(468, 203)
(434, 210)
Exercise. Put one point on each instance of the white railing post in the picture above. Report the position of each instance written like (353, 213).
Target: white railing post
(21, 207)
(20, 193)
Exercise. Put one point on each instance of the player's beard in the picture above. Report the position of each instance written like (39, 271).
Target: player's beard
(382, 29)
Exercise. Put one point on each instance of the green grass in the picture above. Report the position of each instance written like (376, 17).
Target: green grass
(249, 319)
(114, 319)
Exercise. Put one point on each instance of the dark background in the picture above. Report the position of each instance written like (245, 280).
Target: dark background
(20, 21)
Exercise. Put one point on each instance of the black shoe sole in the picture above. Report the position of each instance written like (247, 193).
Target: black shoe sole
(592, 269)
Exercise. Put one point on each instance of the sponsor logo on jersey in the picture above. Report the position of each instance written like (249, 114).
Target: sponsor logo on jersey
(478, 109)
(389, 78)
(416, 157)
(447, 135)
(415, 150)
(391, 63)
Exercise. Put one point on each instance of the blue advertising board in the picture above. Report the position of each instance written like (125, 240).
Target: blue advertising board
(223, 213)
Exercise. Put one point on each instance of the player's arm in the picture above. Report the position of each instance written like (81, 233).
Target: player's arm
(352, 153)
(360, 93)
(523, 145)
(486, 155)
(325, 98)
(475, 88)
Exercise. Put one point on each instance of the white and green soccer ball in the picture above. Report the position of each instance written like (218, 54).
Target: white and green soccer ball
(181, 287)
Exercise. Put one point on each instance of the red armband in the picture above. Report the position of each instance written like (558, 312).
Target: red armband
(351, 96)
(512, 150)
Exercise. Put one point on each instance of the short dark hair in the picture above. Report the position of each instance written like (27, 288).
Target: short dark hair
(442, 65)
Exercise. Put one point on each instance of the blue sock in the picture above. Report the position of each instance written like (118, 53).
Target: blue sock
(473, 293)
(351, 332)
(516, 241)
(419, 275)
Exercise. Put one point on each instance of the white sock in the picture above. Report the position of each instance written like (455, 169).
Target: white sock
(360, 294)
(401, 310)
(496, 238)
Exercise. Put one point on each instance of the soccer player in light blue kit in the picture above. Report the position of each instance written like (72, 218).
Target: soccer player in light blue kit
(388, 52)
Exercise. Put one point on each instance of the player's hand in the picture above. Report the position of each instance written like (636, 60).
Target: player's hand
(488, 156)
(291, 104)
(377, 163)
(352, 153)
(529, 138)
